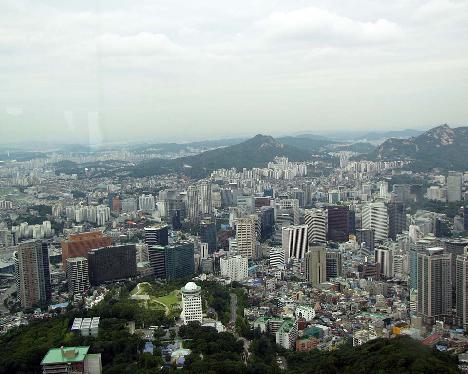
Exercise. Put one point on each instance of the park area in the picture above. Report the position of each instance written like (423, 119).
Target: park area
(156, 298)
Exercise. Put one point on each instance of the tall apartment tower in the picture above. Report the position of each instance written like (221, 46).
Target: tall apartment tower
(454, 186)
(156, 235)
(205, 198)
(193, 207)
(396, 219)
(77, 275)
(316, 221)
(78, 245)
(374, 216)
(337, 223)
(294, 242)
(146, 203)
(316, 265)
(461, 289)
(434, 284)
(246, 237)
(33, 273)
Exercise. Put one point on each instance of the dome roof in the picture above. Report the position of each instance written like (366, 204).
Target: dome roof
(190, 286)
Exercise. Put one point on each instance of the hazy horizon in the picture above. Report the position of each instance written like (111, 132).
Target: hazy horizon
(103, 72)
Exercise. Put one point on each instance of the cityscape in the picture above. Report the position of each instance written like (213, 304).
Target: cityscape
(223, 187)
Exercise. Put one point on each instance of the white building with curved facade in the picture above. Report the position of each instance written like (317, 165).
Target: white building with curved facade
(191, 303)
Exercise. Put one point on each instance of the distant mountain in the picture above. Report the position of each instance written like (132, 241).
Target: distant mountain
(359, 147)
(185, 147)
(441, 147)
(306, 142)
(402, 134)
(255, 152)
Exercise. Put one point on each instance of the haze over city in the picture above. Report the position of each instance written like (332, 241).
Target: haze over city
(105, 71)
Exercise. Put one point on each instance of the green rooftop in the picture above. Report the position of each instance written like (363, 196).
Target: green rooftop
(65, 355)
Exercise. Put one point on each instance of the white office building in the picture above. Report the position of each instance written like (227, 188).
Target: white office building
(316, 219)
(77, 275)
(294, 242)
(191, 303)
(375, 217)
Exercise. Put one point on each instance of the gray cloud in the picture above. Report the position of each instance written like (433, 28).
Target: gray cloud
(183, 70)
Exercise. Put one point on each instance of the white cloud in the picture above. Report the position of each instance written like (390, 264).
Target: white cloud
(316, 25)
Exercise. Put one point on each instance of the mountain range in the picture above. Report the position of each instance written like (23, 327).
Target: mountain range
(441, 147)
(254, 152)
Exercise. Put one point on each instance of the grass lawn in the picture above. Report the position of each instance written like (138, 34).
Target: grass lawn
(169, 302)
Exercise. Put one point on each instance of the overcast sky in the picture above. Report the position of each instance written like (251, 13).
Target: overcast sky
(101, 71)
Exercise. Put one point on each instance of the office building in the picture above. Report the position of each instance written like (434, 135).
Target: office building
(454, 186)
(77, 275)
(316, 221)
(366, 239)
(434, 285)
(384, 261)
(277, 258)
(337, 223)
(191, 303)
(157, 260)
(295, 242)
(32, 273)
(246, 237)
(316, 265)
(112, 263)
(235, 268)
(208, 235)
(180, 260)
(375, 217)
(334, 264)
(156, 235)
(204, 253)
(396, 219)
(78, 245)
(129, 205)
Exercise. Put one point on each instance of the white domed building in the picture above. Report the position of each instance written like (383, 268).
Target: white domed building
(191, 303)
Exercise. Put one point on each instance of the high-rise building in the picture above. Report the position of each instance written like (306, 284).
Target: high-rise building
(316, 221)
(235, 267)
(454, 186)
(129, 205)
(375, 217)
(208, 235)
(434, 285)
(146, 203)
(77, 275)
(246, 237)
(267, 220)
(316, 265)
(277, 258)
(112, 263)
(455, 247)
(205, 198)
(384, 260)
(396, 219)
(334, 264)
(295, 242)
(337, 223)
(78, 245)
(193, 207)
(366, 238)
(156, 235)
(191, 303)
(157, 260)
(204, 253)
(33, 273)
(180, 260)
(461, 290)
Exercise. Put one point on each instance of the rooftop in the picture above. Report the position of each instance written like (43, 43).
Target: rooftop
(64, 355)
